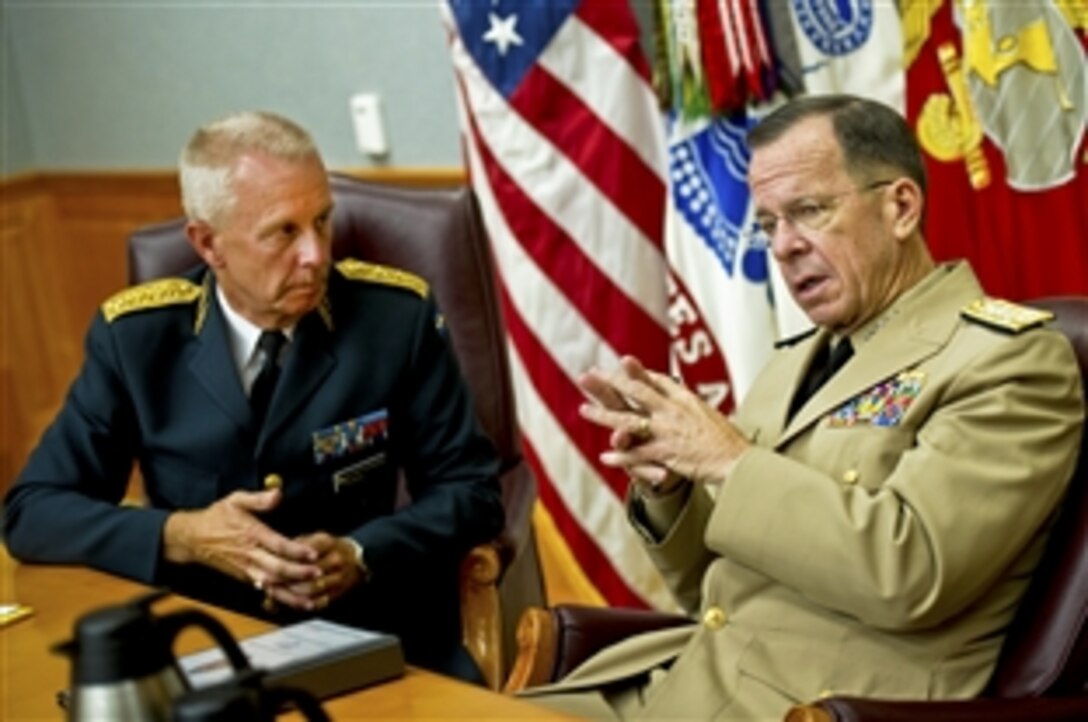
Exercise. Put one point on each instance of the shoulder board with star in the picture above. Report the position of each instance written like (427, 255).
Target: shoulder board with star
(385, 275)
(1004, 316)
(794, 340)
(153, 294)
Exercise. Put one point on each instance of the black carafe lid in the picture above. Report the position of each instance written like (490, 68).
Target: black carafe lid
(118, 643)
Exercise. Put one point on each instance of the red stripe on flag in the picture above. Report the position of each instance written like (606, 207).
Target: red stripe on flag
(591, 144)
(618, 29)
(595, 564)
(599, 300)
(558, 392)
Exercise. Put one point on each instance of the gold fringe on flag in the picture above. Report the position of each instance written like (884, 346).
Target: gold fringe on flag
(564, 580)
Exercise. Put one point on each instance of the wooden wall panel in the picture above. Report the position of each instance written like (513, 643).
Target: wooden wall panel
(35, 351)
(62, 252)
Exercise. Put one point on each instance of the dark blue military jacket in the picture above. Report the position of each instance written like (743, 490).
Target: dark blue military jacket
(369, 390)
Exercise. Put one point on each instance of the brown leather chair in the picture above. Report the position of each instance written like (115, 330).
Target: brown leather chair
(437, 234)
(1042, 672)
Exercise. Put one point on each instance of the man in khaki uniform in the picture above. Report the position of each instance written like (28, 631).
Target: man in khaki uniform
(868, 536)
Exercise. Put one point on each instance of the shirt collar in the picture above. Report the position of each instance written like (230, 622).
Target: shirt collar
(242, 334)
(866, 333)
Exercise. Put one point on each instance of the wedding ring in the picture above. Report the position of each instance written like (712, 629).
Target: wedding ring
(258, 585)
(269, 604)
(320, 584)
(642, 430)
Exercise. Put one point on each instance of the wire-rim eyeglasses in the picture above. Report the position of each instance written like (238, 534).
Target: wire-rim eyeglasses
(808, 214)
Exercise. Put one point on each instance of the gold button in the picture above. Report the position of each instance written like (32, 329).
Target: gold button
(850, 476)
(273, 481)
(714, 618)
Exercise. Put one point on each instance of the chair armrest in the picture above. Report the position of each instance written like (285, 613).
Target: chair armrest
(481, 616)
(856, 709)
(552, 642)
(511, 555)
(536, 638)
(584, 631)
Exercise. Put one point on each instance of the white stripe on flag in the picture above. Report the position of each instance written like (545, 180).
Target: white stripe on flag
(540, 302)
(597, 509)
(605, 81)
(558, 187)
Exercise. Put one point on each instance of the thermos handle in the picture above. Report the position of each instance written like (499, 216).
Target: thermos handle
(179, 620)
(305, 702)
(244, 697)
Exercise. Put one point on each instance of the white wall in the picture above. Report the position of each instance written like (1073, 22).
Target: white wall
(122, 83)
(16, 149)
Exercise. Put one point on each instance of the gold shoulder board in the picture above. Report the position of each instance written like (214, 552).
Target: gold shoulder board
(1005, 315)
(153, 294)
(387, 275)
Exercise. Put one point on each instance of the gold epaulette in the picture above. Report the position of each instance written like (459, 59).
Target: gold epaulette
(153, 294)
(1004, 315)
(387, 275)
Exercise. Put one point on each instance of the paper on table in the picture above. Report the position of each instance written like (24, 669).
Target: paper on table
(295, 644)
(13, 612)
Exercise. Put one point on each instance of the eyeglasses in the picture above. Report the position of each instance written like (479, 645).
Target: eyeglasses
(805, 214)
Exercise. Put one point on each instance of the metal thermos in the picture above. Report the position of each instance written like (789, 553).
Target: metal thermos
(123, 665)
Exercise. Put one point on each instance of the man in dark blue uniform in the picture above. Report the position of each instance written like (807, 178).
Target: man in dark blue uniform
(270, 399)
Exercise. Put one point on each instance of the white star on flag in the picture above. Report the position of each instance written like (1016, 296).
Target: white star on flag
(502, 32)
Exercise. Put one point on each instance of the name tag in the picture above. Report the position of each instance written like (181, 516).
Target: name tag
(354, 473)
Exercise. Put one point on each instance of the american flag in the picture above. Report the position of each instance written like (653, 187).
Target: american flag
(566, 153)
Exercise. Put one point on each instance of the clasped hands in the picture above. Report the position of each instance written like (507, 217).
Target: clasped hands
(303, 573)
(662, 432)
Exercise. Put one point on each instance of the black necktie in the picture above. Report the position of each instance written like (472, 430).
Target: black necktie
(270, 343)
(823, 367)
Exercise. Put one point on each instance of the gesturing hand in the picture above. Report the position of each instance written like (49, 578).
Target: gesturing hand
(661, 429)
(228, 536)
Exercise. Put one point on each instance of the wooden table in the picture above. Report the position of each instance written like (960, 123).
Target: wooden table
(31, 675)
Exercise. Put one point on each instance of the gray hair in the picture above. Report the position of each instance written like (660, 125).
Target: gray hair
(873, 137)
(207, 163)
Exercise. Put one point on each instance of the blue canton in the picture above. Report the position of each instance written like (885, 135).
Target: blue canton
(535, 23)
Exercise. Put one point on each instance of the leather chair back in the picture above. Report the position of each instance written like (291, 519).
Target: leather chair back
(1046, 652)
(437, 234)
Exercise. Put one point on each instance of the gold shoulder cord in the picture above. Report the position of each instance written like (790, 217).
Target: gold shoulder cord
(386, 275)
(1005, 315)
(154, 294)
